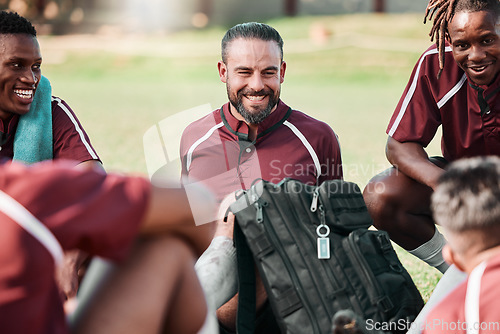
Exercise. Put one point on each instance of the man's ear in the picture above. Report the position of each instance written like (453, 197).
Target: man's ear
(451, 258)
(222, 71)
(282, 71)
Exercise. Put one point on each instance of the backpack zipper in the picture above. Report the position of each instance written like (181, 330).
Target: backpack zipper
(378, 298)
(289, 267)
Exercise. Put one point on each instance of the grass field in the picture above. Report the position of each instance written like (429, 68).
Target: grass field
(122, 85)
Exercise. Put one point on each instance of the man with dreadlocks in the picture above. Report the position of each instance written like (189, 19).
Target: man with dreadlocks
(455, 84)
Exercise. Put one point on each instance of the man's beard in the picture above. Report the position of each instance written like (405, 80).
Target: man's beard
(254, 117)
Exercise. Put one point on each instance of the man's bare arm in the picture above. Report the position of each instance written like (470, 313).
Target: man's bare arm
(411, 159)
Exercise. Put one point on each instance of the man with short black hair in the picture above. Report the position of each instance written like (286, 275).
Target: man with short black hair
(27, 108)
(34, 125)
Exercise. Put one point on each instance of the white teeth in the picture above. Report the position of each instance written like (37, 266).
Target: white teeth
(24, 93)
(255, 98)
(478, 68)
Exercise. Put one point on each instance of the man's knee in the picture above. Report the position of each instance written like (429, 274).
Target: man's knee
(165, 249)
(382, 202)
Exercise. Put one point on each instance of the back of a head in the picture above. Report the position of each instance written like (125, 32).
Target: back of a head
(251, 30)
(13, 23)
(468, 195)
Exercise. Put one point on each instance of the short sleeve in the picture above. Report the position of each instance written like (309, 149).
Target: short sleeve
(71, 142)
(96, 212)
(417, 117)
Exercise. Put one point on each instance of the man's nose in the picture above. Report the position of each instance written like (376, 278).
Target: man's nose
(29, 77)
(256, 83)
(476, 53)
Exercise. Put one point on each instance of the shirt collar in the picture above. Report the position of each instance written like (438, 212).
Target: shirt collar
(240, 128)
(488, 90)
(11, 125)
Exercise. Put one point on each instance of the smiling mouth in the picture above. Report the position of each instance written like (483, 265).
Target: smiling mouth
(24, 93)
(255, 98)
(478, 69)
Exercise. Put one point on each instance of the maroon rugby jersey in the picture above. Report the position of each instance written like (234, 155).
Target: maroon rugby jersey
(70, 139)
(470, 124)
(88, 210)
(449, 316)
(215, 150)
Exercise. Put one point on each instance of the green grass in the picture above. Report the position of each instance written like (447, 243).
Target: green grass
(122, 85)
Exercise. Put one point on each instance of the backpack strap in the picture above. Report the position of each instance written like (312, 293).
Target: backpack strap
(245, 321)
(18, 213)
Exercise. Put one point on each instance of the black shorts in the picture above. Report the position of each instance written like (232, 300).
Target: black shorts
(439, 161)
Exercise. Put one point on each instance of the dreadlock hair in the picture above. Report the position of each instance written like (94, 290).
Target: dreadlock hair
(443, 12)
(13, 23)
(249, 30)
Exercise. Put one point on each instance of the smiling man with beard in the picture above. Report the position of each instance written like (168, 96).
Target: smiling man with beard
(253, 136)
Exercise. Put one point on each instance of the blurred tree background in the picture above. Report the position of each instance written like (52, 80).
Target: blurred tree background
(130, 16)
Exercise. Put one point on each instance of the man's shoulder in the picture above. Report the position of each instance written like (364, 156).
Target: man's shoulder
(307, 122)
(60, 107)
(428, 65)
(204, 123)
(200, 127)
(451, 307)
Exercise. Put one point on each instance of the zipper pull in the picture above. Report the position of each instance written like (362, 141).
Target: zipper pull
(260, 217)
(258, 207)
(322, 218)
(314, 204)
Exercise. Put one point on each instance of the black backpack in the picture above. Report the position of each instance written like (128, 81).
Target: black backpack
(316, 255)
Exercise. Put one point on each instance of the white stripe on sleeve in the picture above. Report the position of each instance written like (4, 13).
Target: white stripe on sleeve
(412, 89)
(308, 146)
(472, 299)
(198, 142)
(17, 212)
(77, 128)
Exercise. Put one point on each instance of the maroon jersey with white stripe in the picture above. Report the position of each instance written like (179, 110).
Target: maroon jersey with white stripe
(71, 142)
(85, 210)
(216, 151)
(469, 115)
(449, 316)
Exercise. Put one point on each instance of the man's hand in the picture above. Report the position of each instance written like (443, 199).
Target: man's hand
(225, 225)
(68, 277)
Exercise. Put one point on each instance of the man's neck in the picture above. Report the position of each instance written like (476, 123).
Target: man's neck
(476, 259)
(252, 127)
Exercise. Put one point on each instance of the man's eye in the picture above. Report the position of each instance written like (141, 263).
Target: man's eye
(36, 66)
